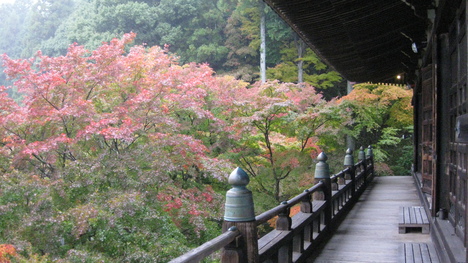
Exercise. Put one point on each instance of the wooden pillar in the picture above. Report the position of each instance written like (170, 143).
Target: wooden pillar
(322, 173)
(239, 212)
(443, 127)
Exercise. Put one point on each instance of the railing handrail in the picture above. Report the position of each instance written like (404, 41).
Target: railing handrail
(295, 200)
(267, 215)
(209, 247)
(340, 173)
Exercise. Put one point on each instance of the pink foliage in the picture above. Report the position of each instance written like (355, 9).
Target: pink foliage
(108, 95)
(192, 205)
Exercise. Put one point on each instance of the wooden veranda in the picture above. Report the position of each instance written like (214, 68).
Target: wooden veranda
(370, 232)
(347, 217)
(424, 44)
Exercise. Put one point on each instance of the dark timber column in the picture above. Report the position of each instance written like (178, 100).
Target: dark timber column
(443, 125)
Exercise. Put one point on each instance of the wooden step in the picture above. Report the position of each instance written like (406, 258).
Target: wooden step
(418, 253)
(413, 217)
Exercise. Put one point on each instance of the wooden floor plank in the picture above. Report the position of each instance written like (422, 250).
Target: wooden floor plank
(433, 254)
(401, 253)
(370, 231)
(409, 252)
(418, 211)
(425, 253)
(417, 253)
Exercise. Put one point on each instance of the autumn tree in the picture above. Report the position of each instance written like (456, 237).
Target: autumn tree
(383, 117)
(97, 138)
(277, 127)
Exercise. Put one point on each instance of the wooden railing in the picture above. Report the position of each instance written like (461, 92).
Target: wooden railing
(294, 239)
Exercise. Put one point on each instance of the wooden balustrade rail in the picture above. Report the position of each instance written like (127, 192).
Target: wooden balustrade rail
(208, 248)
(267, 215)
(295, 238)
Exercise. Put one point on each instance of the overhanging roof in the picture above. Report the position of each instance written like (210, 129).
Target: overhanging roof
(364, 40)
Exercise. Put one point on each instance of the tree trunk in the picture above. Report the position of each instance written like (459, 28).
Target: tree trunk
(300, 45)
(350, 140)
(277, 189)
(262, 44)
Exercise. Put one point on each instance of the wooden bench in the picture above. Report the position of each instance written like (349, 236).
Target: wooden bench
(418, 253)
(413, 217)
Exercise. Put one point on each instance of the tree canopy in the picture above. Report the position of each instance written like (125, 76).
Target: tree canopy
(223, 33)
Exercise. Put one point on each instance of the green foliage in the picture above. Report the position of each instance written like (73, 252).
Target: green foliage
(382, 117)
(94, 22)
(223, 33)
(315, 72)
(43, 19)
(242, 60)
(13, 27)
(401, 165)
(110, 225)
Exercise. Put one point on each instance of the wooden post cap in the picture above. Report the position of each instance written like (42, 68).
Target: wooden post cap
(322, 170)
(370, 152)
(239, 205)
(361, 154)
(239, 177)
(349, 159)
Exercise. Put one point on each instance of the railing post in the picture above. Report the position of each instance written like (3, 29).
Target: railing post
(306, 204)
(370, 157)
(361, 154)
(322, 173)
(363, 167)
(239, 212)
(351, 174)
(284, 223)
(307, 207)
(335, 184)
(284, 220)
